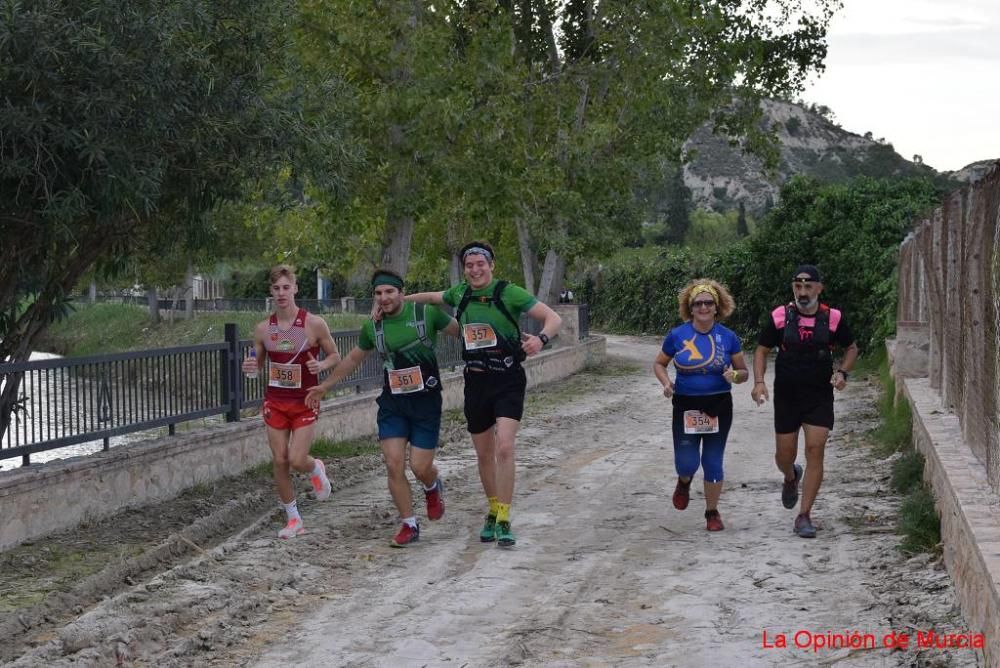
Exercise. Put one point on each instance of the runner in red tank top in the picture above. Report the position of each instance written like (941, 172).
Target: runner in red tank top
(291, 339)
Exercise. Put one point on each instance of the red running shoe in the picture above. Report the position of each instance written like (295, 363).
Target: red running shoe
(435, 501)
(682, 494)
(406, 535)
(713, 522)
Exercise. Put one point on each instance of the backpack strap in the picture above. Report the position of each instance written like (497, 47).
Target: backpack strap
(418, 316)
(463, 303)
(497, 292)
(380, 338)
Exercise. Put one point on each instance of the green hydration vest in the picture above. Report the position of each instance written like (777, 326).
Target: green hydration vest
(501, 357)
(397, 359)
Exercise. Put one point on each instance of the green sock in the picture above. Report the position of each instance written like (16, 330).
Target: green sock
(503, 512)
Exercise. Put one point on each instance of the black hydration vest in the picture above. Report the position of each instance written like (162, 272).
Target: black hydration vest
(500, 357)
(429, 370)
(815, 349)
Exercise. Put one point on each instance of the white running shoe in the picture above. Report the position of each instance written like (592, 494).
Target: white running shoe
(320, 483)
(292, 529)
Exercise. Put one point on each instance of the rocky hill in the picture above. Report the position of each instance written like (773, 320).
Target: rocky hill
(721, 176)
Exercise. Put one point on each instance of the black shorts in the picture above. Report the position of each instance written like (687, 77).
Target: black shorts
(490, 395)
(793, 409)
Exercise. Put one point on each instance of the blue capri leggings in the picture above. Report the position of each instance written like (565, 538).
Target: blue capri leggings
(706, 449)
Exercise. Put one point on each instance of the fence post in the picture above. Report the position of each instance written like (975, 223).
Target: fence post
(230, 368)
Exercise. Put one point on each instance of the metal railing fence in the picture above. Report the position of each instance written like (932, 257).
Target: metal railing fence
(69, 401)
(949, 281)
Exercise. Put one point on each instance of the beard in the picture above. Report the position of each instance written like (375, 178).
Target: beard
(807, 303)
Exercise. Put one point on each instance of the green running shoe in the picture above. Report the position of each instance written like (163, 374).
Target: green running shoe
(489, 532)
(505, 537)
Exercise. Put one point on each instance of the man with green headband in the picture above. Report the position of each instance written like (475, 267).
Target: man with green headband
(409, 408)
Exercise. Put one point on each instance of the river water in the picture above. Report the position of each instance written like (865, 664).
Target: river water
(25, 421)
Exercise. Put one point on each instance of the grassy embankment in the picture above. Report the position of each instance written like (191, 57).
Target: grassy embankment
(111, 328)
(919, 523)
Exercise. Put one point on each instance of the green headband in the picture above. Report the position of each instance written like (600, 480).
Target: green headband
(387, 279)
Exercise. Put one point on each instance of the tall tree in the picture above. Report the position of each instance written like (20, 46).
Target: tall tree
(122, 125)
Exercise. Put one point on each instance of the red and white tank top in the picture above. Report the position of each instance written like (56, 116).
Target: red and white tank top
(288, 350)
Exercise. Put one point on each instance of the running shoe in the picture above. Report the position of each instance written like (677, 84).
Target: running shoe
(489, 531)
(320, 483)
(804, 527)
(682, 494)
(435, 501)
(292, 529)
(713, 522)
(406, 535)
(505, 537)
(790, 489)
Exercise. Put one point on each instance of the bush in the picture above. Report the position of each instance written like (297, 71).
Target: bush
(919, 522)
(908, 472)
(895, 433)
(851, 231)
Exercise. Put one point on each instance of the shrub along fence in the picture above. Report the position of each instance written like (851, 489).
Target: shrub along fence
(851, 231)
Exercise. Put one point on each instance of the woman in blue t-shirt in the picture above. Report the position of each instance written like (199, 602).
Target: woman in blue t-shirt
(708, 359)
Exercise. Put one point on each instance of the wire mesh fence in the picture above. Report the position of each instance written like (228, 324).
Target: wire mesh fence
(949, 279)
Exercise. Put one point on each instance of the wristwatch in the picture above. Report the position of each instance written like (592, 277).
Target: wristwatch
(843, 372)
(544, 338)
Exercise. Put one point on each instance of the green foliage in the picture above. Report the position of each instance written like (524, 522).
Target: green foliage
(330, 449)
(123, 124)
(640, 296)
(851, 231)
(919, 522)
(908, 472)
(895, 432)
(711, 230)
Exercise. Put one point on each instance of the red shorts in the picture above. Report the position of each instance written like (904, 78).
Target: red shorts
(286, 415)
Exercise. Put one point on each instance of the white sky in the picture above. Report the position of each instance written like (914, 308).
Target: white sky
(924, 74)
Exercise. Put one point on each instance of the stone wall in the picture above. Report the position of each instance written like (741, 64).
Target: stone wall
(44, 498)
(965, 501)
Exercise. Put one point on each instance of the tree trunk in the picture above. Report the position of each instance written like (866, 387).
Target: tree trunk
(399, 218)
(189, 293)
(552, 277)
(153, 299)
(527, 256)
(18, 337)
(396, 253)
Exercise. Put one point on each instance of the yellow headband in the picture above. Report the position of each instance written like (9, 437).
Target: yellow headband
(703, 287)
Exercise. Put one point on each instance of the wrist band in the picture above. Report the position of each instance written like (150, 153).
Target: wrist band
(759, 382)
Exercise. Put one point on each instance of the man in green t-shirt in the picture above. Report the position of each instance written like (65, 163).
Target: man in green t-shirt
(409, 408)
(488, 312)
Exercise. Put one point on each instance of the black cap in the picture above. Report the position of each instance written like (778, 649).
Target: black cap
(810, 270)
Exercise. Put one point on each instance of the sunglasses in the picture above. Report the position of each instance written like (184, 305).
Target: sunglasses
(703, 304)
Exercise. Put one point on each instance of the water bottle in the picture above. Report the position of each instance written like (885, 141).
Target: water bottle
(253, 356)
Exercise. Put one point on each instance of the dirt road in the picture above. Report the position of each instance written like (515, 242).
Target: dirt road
(605, 571)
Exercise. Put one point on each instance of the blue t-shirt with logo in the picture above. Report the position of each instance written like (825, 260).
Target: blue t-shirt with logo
(700, 358)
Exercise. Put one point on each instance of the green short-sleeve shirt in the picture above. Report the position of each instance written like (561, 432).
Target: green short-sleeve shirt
(400, 331)
(481, 310)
